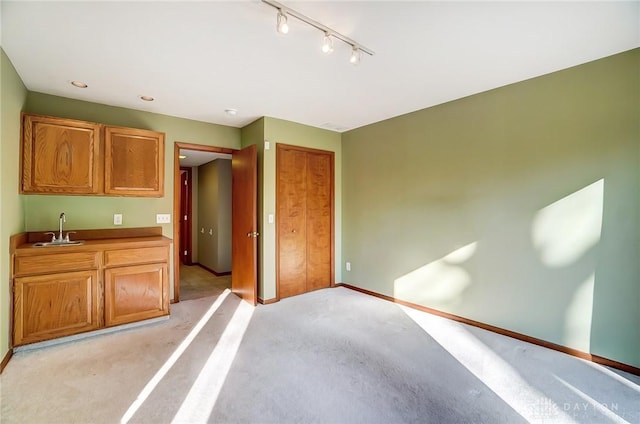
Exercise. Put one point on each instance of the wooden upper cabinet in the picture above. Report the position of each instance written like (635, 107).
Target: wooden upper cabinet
(60, 156)
(134, 162)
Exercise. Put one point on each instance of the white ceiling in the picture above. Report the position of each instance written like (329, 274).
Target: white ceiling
(199, 58)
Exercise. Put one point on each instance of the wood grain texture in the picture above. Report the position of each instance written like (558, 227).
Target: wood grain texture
(47, 301)
(319, 218)
(60, 156)
(305, 209)
(122, 257)
(244, 247)
(291, 204)
(55, 305)
(134, 162)
(134, 293)
(55, 262)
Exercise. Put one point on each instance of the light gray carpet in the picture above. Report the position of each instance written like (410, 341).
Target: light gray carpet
(331, 356)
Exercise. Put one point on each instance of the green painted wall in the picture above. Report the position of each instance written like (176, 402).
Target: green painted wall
(12, 99)
(518, 207)
(214, 214)
(286, 132)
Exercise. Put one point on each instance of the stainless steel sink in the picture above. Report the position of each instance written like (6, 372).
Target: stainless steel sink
(58, 243)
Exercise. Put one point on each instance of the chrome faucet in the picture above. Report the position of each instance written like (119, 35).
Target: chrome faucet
(60, 239)
(63, 219)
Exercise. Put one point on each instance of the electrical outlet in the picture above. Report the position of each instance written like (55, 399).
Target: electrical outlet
(348, 266)
(163, 218)
(117, 219)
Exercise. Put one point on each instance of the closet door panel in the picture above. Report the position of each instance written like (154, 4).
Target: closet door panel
(319, 194)
(291, 214)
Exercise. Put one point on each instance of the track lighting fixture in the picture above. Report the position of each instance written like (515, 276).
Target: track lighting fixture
(282, 26)
(327, 43)
(329, 34)
(355, 57)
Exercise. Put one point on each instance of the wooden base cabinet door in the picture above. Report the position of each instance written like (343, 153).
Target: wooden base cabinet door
(134, 293)
(55, 305)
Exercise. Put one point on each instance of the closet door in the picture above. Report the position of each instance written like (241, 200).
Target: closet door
(319, 200)
(304, 180)
(292, 228)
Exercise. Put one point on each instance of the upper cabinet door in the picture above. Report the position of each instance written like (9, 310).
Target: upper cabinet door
(134, 162)
(60, 156)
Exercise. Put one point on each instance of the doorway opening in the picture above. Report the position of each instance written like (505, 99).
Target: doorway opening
(202, 197)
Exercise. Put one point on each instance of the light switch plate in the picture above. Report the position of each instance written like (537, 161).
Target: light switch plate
(163, 218)
(117, 219)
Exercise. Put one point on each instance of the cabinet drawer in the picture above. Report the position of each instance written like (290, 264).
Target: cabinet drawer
(143, 255)
(58, 262)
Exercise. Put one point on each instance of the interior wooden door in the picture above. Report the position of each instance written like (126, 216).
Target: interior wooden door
(185, 216)
(244, 224)
(319, 218)
(292, 221)
(304, 202)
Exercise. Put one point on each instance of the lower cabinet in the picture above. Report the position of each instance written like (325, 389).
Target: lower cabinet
(55, 305)
(134, 293)
(62, 291)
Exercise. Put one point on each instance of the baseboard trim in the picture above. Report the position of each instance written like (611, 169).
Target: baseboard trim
(90, 334)
(549, 345)
(267, 301)
(213, 271)
(5, 360)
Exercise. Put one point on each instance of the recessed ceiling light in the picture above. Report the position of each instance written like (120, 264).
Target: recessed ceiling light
(147, 98)
(79, 84)
(232, 112)
(182, 157)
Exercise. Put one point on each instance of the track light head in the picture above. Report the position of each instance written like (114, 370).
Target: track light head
(282, 26)
(356, 55)
(327, 43)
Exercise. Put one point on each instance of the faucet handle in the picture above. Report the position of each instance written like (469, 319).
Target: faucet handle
(53, 235)
(67, 236)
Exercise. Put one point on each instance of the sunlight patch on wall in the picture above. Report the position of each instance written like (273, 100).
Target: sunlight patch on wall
(439, 283)
(496, 373)
(577, 323)
(565, 230)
